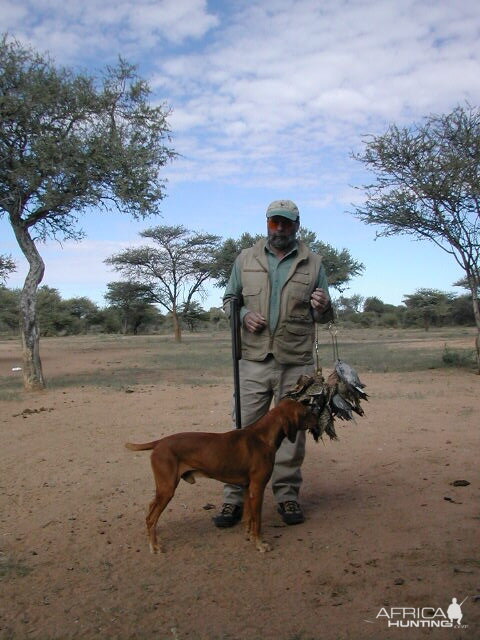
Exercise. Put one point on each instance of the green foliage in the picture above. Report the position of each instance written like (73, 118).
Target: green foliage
(131, 312)
(7, 266)
(225, 256)
(374, 304)
(390, 319)
(53, 316)
(345, 305)
(174, 268)
(461, 311)
(193, 315)
(427, 184)
(339, 265)
(457, 358)
(218, 318)
(428, 181)
(424, 308)
(109, 321)
(428, 306)
(133, 301)
(9, 309)
(69, 141)
(365, 319)
(82, 308)
(56, 315)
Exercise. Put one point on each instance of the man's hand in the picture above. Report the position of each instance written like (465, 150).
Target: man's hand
(319, 300)
(254, 322)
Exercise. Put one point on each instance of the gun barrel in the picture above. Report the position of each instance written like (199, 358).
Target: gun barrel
(236, 356)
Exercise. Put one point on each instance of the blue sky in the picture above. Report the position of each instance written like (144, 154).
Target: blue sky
(269, 98)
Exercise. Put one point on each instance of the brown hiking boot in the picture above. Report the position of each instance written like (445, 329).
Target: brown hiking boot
(291, 512)
(229, 516)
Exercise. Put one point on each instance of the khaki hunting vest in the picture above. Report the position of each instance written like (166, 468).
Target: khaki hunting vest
(292, 340)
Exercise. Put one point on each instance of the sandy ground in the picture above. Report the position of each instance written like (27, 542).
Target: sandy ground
(385, 527)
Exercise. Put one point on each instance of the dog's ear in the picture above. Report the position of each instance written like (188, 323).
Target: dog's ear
(291, 427)
(291, 430)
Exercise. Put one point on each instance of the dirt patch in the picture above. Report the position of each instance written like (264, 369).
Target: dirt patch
(386, 526)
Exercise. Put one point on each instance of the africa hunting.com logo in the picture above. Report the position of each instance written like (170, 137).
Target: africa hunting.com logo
(423, 617)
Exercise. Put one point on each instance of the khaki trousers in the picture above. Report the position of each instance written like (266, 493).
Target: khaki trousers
(260, 383)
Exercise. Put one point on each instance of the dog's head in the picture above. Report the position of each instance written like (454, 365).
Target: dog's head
(301, 416)
(314, 408)
(310, 393)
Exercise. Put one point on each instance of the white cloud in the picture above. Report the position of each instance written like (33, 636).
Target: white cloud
(293, 79)
(87, 29)
(173, 19)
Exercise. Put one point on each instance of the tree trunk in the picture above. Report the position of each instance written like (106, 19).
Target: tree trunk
(476, 312)
(32, 367)
(176, 326)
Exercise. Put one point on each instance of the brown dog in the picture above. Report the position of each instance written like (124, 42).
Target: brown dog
(244, 457)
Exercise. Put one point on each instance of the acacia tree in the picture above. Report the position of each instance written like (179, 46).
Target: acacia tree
(69, 142)
(225, 256)
(174, 268)
(193, 315)
(427, 184)
(349, 305)
(431, 306)
(339, 266)
(133, 300)
(375, 305)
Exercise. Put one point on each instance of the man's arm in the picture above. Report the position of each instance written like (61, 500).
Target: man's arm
(233, 288)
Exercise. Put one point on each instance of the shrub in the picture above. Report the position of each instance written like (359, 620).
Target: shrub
(464, 358)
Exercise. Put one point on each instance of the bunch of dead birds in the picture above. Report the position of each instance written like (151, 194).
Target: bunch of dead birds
(338, 396)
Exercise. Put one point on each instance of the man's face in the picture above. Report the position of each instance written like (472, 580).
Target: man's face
(281, 232)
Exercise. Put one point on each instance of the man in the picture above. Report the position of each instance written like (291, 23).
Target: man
(283, 290)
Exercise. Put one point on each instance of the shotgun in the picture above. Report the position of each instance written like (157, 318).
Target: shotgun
(236, 355)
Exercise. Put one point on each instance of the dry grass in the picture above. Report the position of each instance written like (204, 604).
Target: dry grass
(205, 358)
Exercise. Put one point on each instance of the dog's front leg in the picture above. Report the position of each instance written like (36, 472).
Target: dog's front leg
(157, 506)
(152, 518)
(247, 514)
(255, 498)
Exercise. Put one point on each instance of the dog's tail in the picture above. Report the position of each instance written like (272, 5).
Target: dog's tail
(141, 447)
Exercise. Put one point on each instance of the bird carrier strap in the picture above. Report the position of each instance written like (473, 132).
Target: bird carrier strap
(332, 327)
(318, 368)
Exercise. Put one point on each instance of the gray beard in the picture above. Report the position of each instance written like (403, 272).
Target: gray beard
(282, 242)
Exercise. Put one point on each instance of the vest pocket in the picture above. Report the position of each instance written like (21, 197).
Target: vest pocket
(296, 340)
(300, 288)
(298, 309)
(251, 298)
(299, 329)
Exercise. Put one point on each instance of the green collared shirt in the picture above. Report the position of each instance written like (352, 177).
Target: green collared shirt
(278, 269)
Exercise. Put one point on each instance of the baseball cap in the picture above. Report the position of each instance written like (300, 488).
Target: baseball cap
(284, 208)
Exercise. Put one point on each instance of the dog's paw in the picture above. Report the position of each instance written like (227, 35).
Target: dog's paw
(156, 548)
(263, 547)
